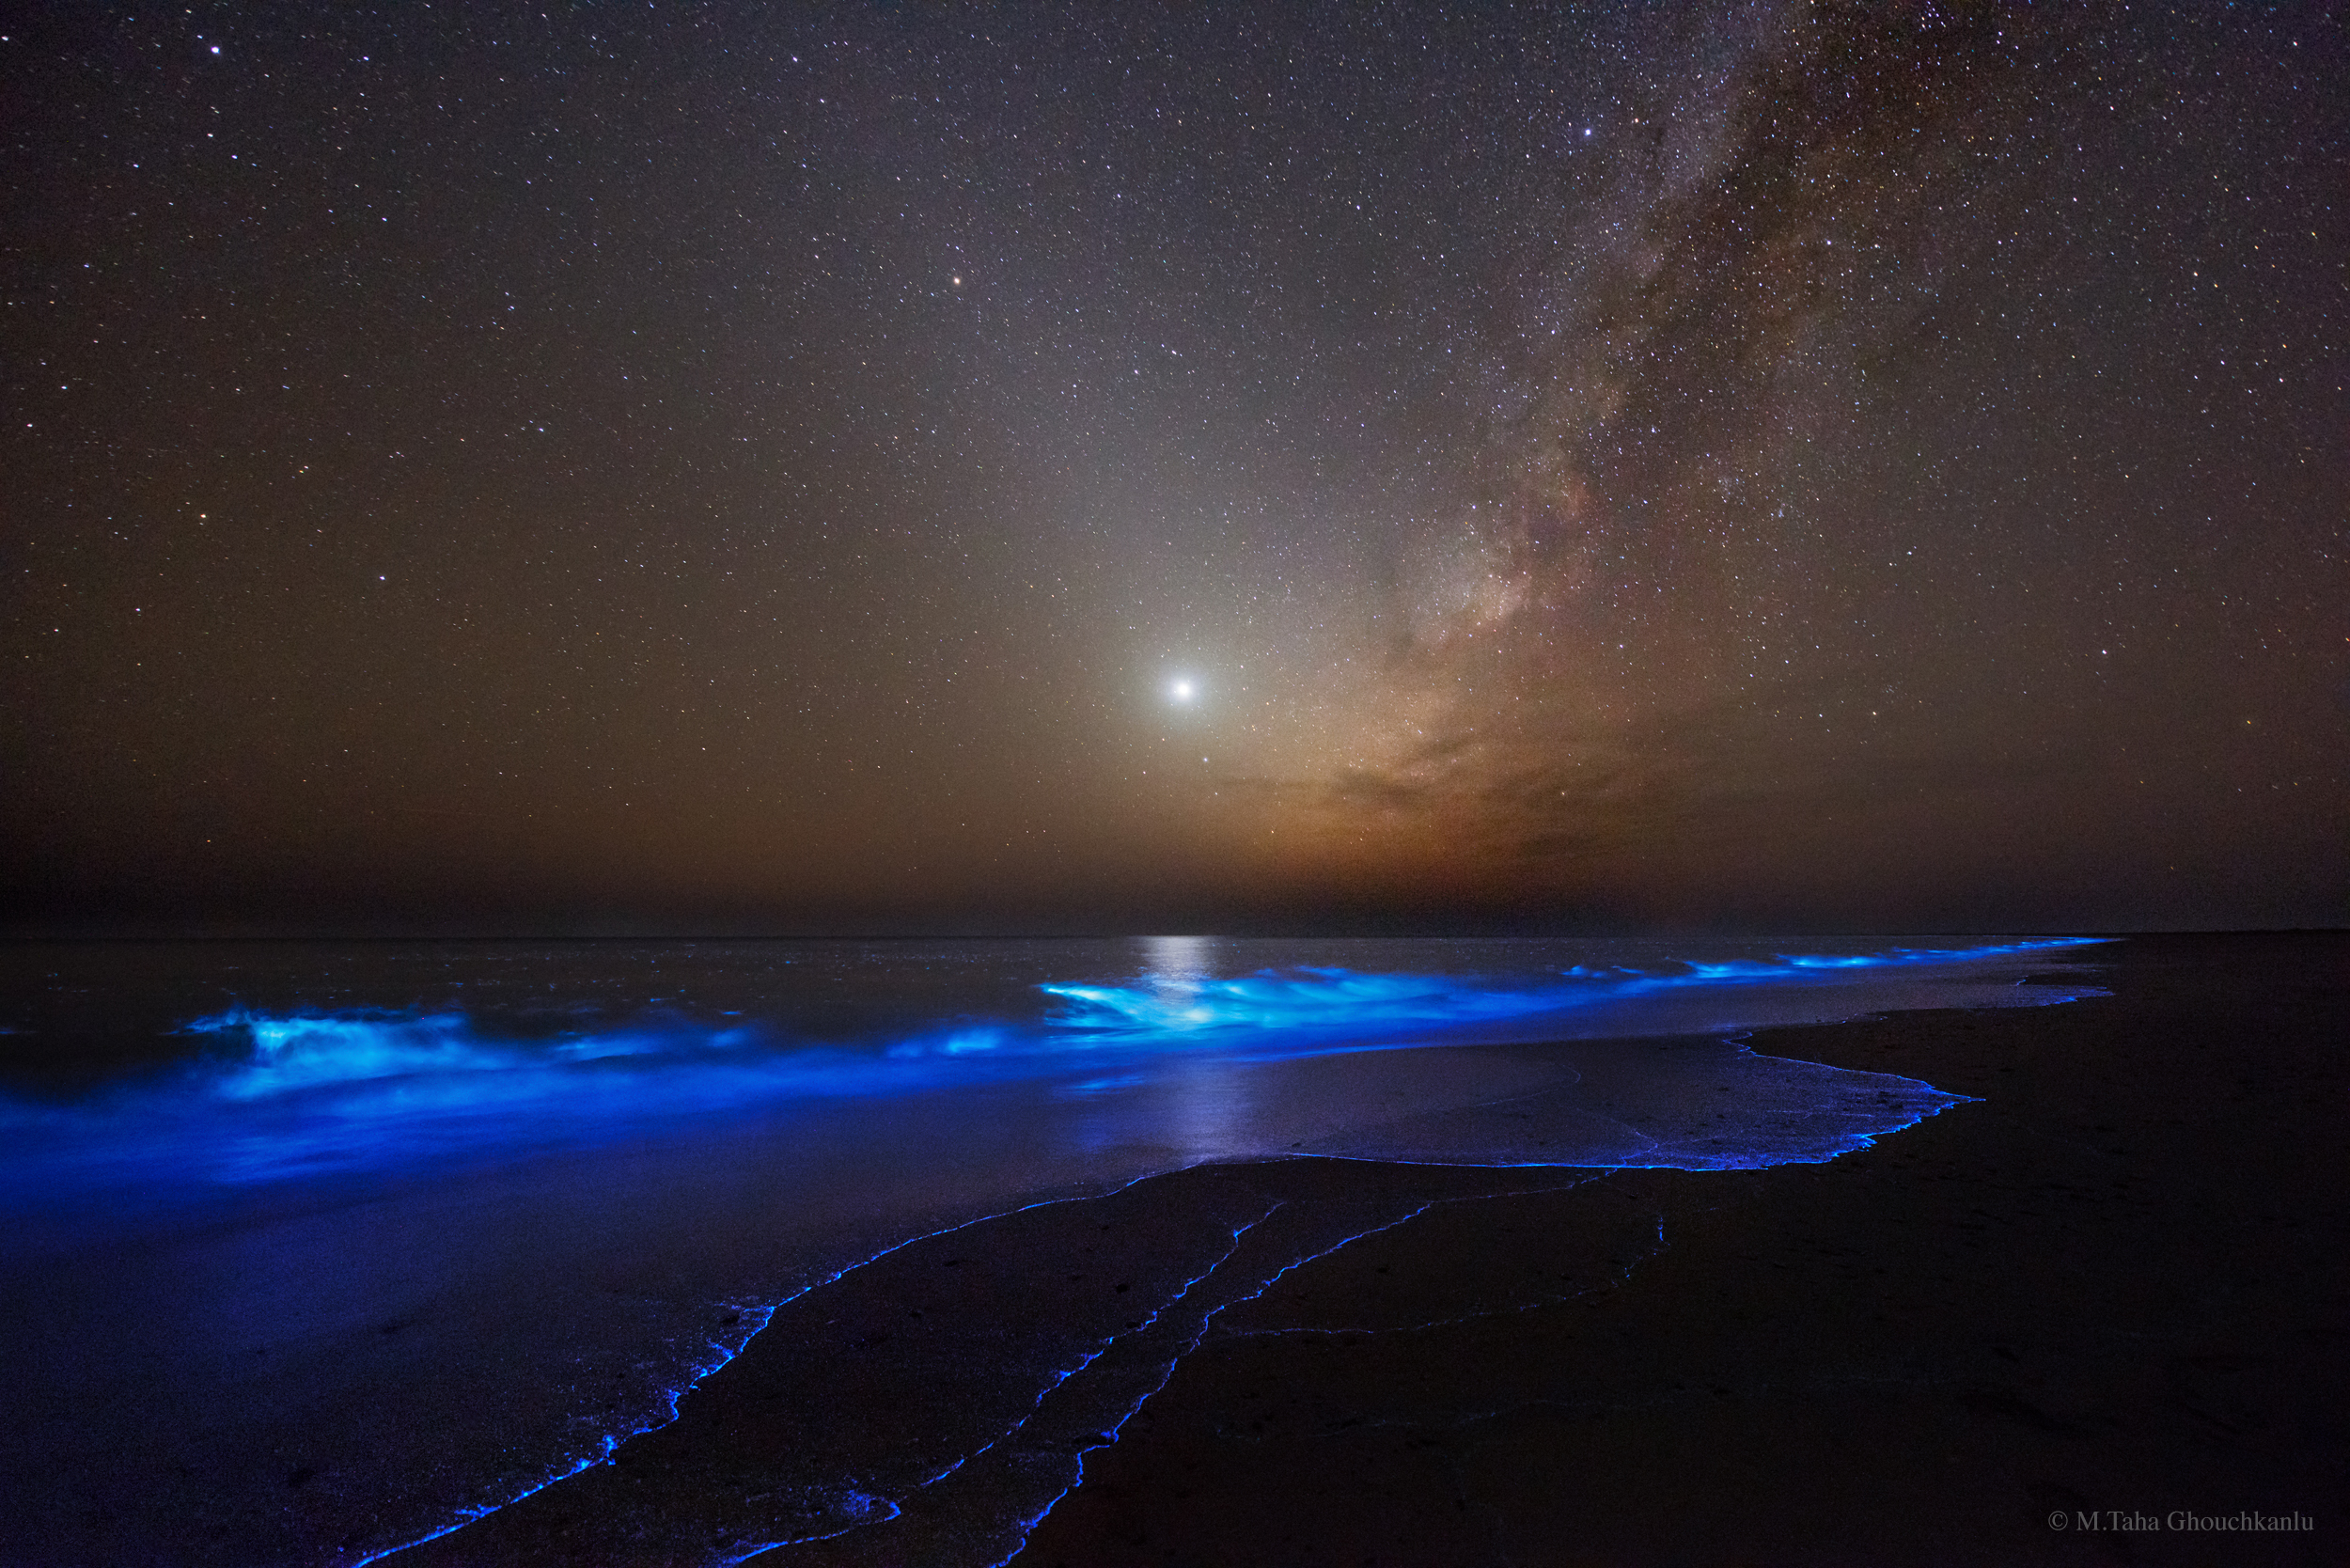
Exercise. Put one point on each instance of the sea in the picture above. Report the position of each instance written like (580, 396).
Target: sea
(332, 1252)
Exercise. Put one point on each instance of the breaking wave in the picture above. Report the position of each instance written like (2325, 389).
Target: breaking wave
(302, 1093)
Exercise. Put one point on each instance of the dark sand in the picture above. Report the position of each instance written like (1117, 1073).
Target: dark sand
(2121, 1284)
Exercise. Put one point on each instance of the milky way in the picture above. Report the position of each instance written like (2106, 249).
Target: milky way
(1823, 465)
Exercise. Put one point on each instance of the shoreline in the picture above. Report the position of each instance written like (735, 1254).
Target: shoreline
(2037, 1289)
(1915, 1352)
(2114, 1286)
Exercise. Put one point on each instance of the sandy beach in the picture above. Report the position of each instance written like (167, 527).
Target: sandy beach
(2115, 1285)
(2095, 1316)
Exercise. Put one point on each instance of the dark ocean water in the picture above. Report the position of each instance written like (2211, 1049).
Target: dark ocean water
(317, 1250)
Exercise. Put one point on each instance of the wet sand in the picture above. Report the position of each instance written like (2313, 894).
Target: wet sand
(2114, 1286)
(2121, 1283)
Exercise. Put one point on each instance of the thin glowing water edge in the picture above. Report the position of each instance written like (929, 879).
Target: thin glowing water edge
(497, 1209)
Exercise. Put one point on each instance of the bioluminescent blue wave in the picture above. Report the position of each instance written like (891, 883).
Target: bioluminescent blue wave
(556, 1187)
(304, 1050)
(312, 1091)
(1319, 1005)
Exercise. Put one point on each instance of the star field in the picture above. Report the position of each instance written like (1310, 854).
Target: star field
(709, 467)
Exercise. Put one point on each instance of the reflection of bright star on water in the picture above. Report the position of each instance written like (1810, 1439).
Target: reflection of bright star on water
(1182, 690)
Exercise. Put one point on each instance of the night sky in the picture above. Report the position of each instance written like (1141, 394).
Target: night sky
(723, 468)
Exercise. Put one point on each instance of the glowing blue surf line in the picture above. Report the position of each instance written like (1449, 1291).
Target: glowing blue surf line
(1104, 1346)
(1092, 1356)
(610, 1444)
(1308, 1012)
(399, 1082)
(1026, 1528)
(1318, 1005)
(290, 1052)
(1663, 1245)
(1111, 1432)
(1423, 1326)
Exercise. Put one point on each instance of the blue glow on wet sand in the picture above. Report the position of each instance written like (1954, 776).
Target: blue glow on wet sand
(1097, 1086)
